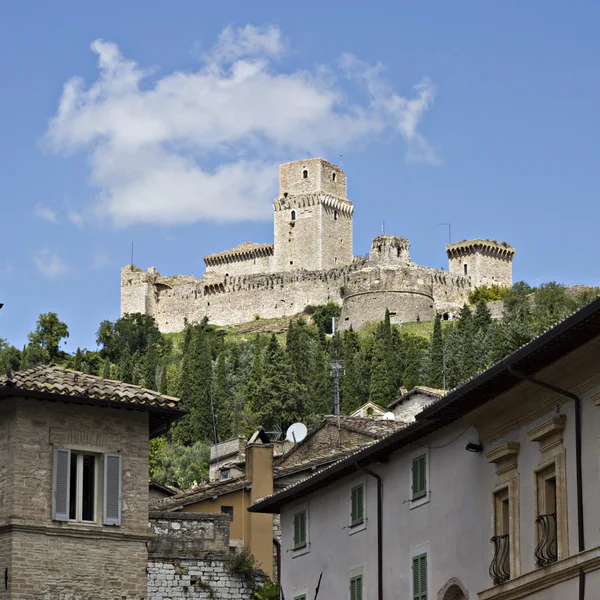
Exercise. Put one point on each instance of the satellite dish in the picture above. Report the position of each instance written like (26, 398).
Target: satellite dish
(296, 433)
(389, 416)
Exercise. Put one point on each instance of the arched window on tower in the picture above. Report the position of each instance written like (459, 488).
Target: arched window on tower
(305, 174)
(465, 268)
(335, 215)
(333, 176)
(293, 215)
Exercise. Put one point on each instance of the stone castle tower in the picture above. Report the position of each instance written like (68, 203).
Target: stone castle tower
(313, 218)
(311, 262)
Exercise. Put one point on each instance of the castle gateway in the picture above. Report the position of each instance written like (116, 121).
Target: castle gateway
(311, 263)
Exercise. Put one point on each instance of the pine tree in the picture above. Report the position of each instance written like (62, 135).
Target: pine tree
(482, 318)
(436, 355)
(350, 380)
(253, 387)
(381, 391)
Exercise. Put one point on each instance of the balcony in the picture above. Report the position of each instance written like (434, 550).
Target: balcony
(500, 567)
(546, 550)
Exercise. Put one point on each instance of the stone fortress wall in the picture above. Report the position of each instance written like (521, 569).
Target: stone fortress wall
(311, 263)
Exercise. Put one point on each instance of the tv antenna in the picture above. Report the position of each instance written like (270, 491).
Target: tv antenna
(296, 432)
(336, 367)
(449, 225)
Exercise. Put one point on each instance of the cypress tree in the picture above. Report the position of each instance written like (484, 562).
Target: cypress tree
(150, 368)
(436, 355)
(221, 398)
(381, 390)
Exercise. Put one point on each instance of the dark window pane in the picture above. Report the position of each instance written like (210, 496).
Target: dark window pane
(89, 488)
(73, 489)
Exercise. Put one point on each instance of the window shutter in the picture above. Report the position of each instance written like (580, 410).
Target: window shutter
(360, 510)
(353, 589)
(419, 567)
(112, 489)
(300, 530)
(419, 476)
(359, 586)
(303, 529)
(61, 480)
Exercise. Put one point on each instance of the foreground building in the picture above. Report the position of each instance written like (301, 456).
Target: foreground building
(311, 262)
(491, 493)
(74, 484)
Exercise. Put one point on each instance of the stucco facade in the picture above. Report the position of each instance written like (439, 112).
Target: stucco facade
(311, 262)
(518, 484)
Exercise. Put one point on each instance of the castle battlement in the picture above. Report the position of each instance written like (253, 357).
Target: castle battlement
(311, 263)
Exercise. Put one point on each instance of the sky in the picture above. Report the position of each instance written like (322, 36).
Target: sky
(162, 124)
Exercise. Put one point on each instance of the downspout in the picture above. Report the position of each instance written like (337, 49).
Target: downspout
(578, 461)
(379, 528)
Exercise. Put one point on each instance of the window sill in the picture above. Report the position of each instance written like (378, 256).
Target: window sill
(420, 501)
(352, 529)
(296, 552)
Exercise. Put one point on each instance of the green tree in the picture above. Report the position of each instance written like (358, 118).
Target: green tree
(10, 357)
(551, 304)
(221, 398)
(436, 355)
(381, 389)
(323, 315)
(48, 334)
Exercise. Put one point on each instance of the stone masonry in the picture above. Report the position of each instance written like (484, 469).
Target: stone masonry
(189, 558)
(311, 263)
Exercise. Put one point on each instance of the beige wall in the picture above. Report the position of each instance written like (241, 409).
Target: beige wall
(83, 560)
(454, 524)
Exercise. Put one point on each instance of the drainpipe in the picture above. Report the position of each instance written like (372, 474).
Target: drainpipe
(379, 528)
(578, 462)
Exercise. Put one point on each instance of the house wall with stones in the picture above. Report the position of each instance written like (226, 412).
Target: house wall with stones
(189, 558)
(312, 263)
(45, 557)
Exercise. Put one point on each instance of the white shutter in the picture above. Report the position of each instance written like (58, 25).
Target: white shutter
(112, 489)
(61, 481)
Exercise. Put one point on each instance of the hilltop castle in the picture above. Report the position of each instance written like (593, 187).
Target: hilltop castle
(311, 263)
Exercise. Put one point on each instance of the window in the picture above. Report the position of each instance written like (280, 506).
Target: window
(465, 268)
(419, 577)
(500, 567)
(305, 174)
(86, 487)
(419, 477)
(356, 588)
(546, 551)
(302, 597)
(333, 176)
(227, 510)
(293, 215)
(357, 505)
(335, 215)
(224, 474)
(300, 530)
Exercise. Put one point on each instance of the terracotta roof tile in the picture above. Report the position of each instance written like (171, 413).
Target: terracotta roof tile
(201, 492)
(66, 382)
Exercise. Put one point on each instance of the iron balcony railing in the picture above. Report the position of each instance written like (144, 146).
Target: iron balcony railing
(500, 567)
(546, 550)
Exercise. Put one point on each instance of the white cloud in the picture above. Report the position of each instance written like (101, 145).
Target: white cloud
(7, 269)
(75, 218)
(206, 145)
(50, 264)
(45, 213)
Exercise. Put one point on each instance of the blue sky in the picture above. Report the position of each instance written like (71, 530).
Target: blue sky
(163, 124)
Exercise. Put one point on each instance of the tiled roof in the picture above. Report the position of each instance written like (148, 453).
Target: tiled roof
(201, 492)
(371, 427)
(434, 393)
(66, 382)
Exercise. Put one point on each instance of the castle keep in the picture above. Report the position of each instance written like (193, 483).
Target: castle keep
(311, 262)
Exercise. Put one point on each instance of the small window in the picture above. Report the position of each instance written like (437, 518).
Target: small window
(300, 530)
(293, 215)
(357, 505)
(419, 573)
(356, 588)
(227, 510)
(302, 597)
(305, 174)
(419, 477)
(82, 496)
(333, 176)
(465, 268)
(291, 262)
(224, 474)
(335, 215)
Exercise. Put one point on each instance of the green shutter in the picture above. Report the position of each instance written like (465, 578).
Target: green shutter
(357, 505)
(419, 568)
(300, 530)
(419, 477)
(356, 588)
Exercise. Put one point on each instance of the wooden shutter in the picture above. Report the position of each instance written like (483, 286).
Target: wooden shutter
(61, 484)
(300, 530)
(419, 568)
(112, 489)
(356, 588)
(419, 477)
(357, 505)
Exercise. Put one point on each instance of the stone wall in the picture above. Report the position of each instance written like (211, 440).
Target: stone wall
(189, 558)
(407, 410)
(320, 178)
(54, 560)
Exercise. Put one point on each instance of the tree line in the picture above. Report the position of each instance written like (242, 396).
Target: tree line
(230, 386)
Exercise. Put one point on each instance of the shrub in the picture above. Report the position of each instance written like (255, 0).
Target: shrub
(487, 293)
